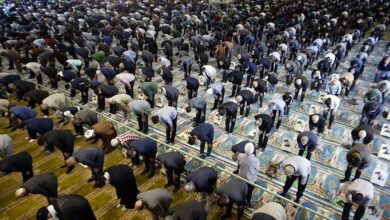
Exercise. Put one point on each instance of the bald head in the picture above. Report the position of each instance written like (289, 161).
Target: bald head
(139, 205)
(289, 170)
(71, 161)
(362, 134)
(315, 118)
(21, 192)
(304, 140)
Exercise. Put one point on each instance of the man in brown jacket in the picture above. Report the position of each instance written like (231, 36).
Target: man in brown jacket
(104, 130)
(13, 58)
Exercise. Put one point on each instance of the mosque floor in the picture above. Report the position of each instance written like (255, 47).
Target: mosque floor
(328, 161)
(103, 201)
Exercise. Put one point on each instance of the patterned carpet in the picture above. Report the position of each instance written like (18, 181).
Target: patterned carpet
(328, 162)
(103, 201)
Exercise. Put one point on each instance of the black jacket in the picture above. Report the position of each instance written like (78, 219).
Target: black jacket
(71, 207)
(122, 178)
(43, 184)
(204, 179)
(18, 162)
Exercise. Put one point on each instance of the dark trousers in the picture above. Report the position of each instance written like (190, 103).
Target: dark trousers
(143, 123)
(263, 140)
(245, 106)
(228, 212)
(297, 93)
(236, 89)
(260, 96)
(230, 122)
(249, 195)
(279, 118)
(149, 164)
(331, 116)
(187, 70)
(358, 214)
(171, 179)
(27, 175)
(171, 132)
(348, 173)
(209, 147)
(200, 115)
(289, 182)
(308, 155)
(39, 79)
(150, 100)
(173, 102)
(218, 100)
(32, 134)
(289, 78)
(130, 89)
(101, 102)
(78, 128)
(192, 93)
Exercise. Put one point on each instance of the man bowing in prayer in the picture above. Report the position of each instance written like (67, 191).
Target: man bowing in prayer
(122, 178)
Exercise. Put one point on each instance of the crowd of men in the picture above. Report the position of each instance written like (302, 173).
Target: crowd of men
(122, 51)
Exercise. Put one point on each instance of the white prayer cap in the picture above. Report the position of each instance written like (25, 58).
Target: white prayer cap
(209, 91)
(298, 82)
(106, 175)
(114, 142)
(189, 187)
(249, 148)
(68, 114)
(89, 133)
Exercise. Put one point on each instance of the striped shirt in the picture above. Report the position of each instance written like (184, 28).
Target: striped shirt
(125, 138)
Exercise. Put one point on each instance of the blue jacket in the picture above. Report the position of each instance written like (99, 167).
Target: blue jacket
(93, 157)
(145, 147)
(40, 125)
(204, 132)
(252, 68)
(312, 143)
(69, 75)
(204, 179)
(108, 73)
(240, 147)
(79, 83)
(23, 113)
(9, 79)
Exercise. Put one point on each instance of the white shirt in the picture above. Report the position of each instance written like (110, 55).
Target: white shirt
(360, 186)
(209, 72)
(301, 165)
(335, 104)
(34, 66)
(332, 58)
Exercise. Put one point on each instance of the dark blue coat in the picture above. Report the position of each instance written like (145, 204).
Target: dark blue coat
(204, 179)
(240, 147)
(192, 83)
(39, 125)
(9, 79)
(252, 68)
(204, 132)
(23, 113)
(79, 83)
(312, 143)
(69, 75)
(93, 157)
(108, 73)
(145, 147)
